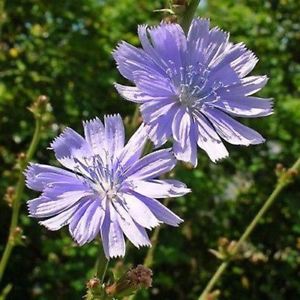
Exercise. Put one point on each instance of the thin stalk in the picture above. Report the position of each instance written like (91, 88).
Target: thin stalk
(96, 286)
(101, 265)
(2, 15)
(148, 261)
(16, 201)
(283, 181)
(5, 292)
(135, 118)
(188, 15)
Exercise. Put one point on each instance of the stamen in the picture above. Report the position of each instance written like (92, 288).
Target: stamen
(193, 90)
(105, 178)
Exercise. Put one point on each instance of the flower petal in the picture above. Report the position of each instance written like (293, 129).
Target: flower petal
(148, 47)
(231, 130)
(161, 212)
(87, 221)
(152, 165)
(134, 232)
(170, 43)
(139, 212)
(242, 106)
(197, 40)
(112, 235)
(160, 188)
(244, 64)
(131, 59)
(134, 94)
(94, 133)
(71, 144)
(156, 108)
(160, 129)
(181, 125)
(208, 139)
(154, 85)
(62, 219)
(185, 138)
(217, 43)
(44, 207)
(114, 134)
(134, 148)
(39, 176)
(246, 87)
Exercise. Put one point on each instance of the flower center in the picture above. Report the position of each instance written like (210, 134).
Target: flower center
(190, 83)
(187, 95)
(104, 178)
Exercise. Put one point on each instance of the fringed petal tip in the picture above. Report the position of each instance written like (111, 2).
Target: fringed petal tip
(219, 158)
(145, 244)
(179, 222)
(59, 137)
(91, 121)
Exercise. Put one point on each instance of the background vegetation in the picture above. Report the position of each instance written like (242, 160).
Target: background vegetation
(63, 49)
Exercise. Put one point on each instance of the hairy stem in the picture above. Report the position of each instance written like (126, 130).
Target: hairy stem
(188, 15)
(284, 180)
(11, 241)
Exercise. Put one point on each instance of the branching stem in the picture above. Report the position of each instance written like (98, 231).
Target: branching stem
(11, 241)
(284, 180)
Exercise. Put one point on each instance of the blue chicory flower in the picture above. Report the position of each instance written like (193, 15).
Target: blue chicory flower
(190, 87)
(108, 189)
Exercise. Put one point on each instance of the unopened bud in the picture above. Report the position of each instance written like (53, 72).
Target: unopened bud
(16, 236)
(93, 283)
(258, 257)
(39, 106)
(280, 169)
(213, 295)
(293, 172)
(231, 248)
(95, 289)
(223, 242)
(21, 160)
(9, 195)
(170, 19)
(133, 280)
(21, 156)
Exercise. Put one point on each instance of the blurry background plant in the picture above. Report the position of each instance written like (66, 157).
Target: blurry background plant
(63, 49)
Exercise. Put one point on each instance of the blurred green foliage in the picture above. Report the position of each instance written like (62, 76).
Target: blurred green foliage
(63, 49)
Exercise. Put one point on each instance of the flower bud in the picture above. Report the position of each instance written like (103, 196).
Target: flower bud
(39, 106)
(9, 195)
(95, 289)
(133, 280)
(16, 236)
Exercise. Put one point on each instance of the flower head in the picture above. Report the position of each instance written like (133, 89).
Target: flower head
(190, 87)
(108, 189)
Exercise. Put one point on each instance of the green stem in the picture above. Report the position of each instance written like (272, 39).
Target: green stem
(2, 15)
(135, 118)
(283, 181)
(16, 201)
(148, 261)
(96, 291)
(188, 15)
(101, 265)
(5, 292)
